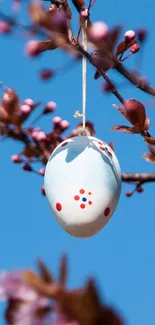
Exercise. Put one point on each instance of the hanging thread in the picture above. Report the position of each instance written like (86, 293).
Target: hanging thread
(84, 76)
(84, 80)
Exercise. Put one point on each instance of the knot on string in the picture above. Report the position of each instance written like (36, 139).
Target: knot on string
(83, 132)
(77, 114)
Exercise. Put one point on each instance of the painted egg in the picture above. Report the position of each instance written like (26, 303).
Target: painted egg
(83, 184)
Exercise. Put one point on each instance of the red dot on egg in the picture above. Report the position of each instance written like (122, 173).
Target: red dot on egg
(58, 206)
(101, 148)
(76, 197)
(82, 206)
(64, 144)
(89, 193)
(82, 191)
(106, 212)
(89, 202)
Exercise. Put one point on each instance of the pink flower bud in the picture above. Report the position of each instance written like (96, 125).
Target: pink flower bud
(43, 190)
(134, 48)
(139, 189)
(57, 120)
(52, 8)
(49, 108)
(98, 31)
(46, 74)
(34, 132)
(27, 167)
(129, 193)
(106, 87)
(33, 48)
(4, 27)
(42, 171)
(16, 159)
(29, 102)
(40, 136)
(129, 35)
(25, 109)
(64, 124)
(84, 14)
(141, 34)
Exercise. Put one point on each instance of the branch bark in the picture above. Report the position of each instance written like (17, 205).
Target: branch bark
(135, 80)
(141, 178)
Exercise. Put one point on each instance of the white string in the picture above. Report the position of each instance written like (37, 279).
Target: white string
(84, 80)
(84, 76)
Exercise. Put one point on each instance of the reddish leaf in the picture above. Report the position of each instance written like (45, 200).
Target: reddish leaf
(125, 129)
(149, 158)
(135, 112)
(41, 287)
(97, 74)
(124, 46)
(10, 103)
(102, 62)
(39, 15)
(112, 37)
(152, 150)
(110, 317)
(47, 45)
(147, 123)
(150, 140)
(44, 272)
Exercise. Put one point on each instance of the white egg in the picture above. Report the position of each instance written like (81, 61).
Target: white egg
(83, 184)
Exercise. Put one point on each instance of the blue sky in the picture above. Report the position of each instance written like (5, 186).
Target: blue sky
(122, 255)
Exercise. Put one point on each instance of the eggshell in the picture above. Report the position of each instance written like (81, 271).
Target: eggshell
(83, 185)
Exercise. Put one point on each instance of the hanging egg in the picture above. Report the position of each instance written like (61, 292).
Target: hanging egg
(83, 184)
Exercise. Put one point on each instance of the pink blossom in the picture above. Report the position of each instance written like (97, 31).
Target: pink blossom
(84, 14)
(42, 171)
(39, 135)
(29, 102)
(129, 193)
(12, 288)
(50, 107)
(141, 34)
(16, 159)
(129, 35)
(32, 48)
(26, 109)
(4, 27)
(43, 190)
(46, 74)
(64, 124)
(98, 31)
(52, 8)
(134, 48)
(27, 167)
(57, 120)
(34, 132)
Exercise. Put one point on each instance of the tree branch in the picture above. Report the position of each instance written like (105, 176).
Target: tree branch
(141, 178)
(135, 80)
(104, 75)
